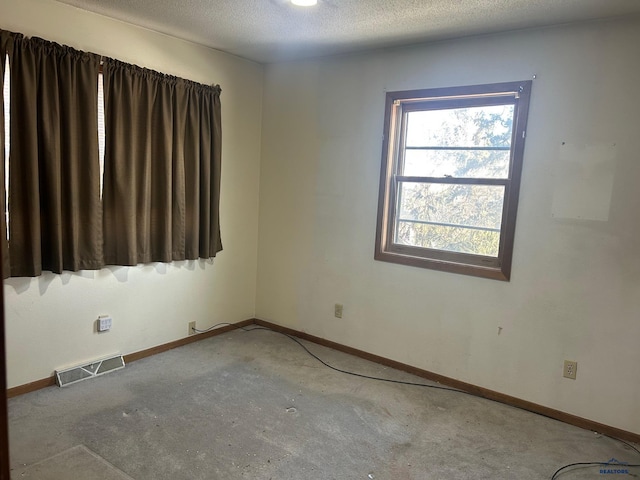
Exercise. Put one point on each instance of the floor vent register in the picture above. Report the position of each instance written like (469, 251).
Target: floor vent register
(94, 369)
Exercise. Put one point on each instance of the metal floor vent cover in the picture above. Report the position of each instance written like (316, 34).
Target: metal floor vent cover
(96, 368)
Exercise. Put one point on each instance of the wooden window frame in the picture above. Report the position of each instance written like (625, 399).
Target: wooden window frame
(397, 105)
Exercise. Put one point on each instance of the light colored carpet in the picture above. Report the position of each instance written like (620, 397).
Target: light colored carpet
(255, 406)
(77, 463)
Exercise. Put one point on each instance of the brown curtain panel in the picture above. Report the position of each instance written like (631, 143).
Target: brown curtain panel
(5, 41)
(162, 167)
(55, 219)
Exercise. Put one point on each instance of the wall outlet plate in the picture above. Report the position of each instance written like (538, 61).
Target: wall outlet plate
(104, 323)
(570, 369)
(338, 310)
(192, 326)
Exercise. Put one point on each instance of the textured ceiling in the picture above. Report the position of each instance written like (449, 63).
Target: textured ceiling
(274, 30)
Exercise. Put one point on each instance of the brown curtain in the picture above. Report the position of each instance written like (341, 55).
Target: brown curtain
(162, 167)
(162, 163)
(5, 43)
(54, 204)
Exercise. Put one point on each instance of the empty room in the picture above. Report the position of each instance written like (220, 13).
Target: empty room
(332, 239)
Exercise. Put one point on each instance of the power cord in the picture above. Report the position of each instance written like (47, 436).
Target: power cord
(622, 441)
(292, 338)
(595, 464)
(415, 384)
(615, 466)
(211, 328)
(401, 382)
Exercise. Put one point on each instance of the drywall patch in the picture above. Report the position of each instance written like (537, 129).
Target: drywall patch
(584, 181)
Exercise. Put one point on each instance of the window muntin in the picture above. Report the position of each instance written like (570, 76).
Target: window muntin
(450, 177)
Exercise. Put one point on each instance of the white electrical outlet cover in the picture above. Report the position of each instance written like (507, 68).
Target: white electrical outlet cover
(104, 323)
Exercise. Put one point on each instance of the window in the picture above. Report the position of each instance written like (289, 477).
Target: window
(451, 165)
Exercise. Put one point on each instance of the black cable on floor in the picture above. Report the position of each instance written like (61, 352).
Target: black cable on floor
(594, 464)
(620, 466)
(622, 441)
(211, 328)
(401, 382)
(294, 339)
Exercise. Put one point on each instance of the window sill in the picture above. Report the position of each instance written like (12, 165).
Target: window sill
(496, 273)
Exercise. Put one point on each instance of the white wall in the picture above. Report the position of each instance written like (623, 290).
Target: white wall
(575, 288)
(50, 319)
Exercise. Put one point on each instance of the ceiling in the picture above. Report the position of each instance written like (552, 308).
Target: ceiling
(274, 30)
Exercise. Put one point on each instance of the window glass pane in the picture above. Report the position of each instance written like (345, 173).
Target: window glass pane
(455, 218)
(488, 126)
(457, 163)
